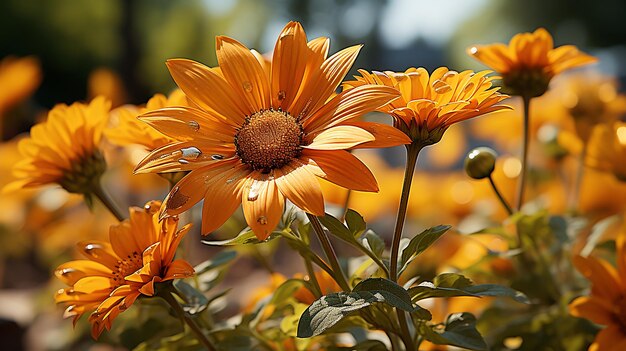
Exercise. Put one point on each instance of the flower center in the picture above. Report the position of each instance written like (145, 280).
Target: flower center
(126, 266)
(269, 139)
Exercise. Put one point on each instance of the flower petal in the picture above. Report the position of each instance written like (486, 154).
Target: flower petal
(349, 104)
(339, 138)
(188, 123)
(340, 167)
(386, 135)
(207, 89)
(288, 65)
(184, 156)
(301, 187)
(597, 310)
(262, 204)
(244, 73)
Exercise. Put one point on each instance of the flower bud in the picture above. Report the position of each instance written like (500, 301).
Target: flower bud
(480, 162)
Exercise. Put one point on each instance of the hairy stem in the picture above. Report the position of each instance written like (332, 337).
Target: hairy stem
(521, 184)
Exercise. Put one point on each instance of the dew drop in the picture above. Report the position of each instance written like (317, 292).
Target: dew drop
(247, 86)
(230, 180)
(92, 250)
(281, 95)
(473, 50)
(183, 161)
(262, 220)
(147, 207)
(217, 157)
(190, 153)
(194, 125)
(254, 190)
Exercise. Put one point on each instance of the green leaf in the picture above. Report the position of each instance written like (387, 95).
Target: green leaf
(451, 285)
(374, 243)
(421, 242)
(459, 330)
(196, 301)
(330, 309)
(337, 228)
(244, 238)
(356, 223)
(218, 260)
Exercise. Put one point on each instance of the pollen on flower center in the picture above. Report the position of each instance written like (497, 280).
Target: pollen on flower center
(268, 140)
(126, 266)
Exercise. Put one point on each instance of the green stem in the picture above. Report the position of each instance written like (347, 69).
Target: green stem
(317, 289)
(107, 201)
(412, 151)
(500, 197)
(329, 251)
(345, 205)
(168, 296)
(521, 184)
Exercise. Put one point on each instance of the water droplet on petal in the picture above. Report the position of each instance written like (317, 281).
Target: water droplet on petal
(190, 153)
(281, 95)
(217, 157)
(183, 161)
(194, 125)
(262, 220)
(473, 50)
(247, 86)
(254, 190)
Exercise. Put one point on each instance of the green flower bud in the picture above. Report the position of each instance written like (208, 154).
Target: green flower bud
(480, 162)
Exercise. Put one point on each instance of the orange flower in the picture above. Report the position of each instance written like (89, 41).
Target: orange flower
(140, 254)
(607, 149)
(606, 304)
(64, 149)
(258, 137)
(429, 104)
(530, 61)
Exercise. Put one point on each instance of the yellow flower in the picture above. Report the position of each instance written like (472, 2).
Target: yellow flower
(530, 61)
(607, 149)
(429, 104)
(64, 149)
(106, 82)
(140, 253)
(258, 138)
(606, 304)
(589, 99)
(128, 130)
(19, 77)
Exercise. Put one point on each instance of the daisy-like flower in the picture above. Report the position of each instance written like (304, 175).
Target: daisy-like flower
(19, 77)
(139, 255)
(64, 149)
(606, 304)
(530, 61)
(429, 104)
(607, 149)
(258, 137)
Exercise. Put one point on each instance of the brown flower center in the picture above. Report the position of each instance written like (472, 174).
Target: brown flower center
(126, 266)
(269, 139)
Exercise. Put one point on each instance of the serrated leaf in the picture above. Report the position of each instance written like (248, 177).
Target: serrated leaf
(244, 238)
(330, 309)
(356, 223)
(421, 242)
(460, 330)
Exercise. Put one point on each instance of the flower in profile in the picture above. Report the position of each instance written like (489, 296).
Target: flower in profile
(257, 137)
(139, 255)
(606, 304)
(64, 149)
(529, 62)
(607, 149)
(127, 130)
(429, 104)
